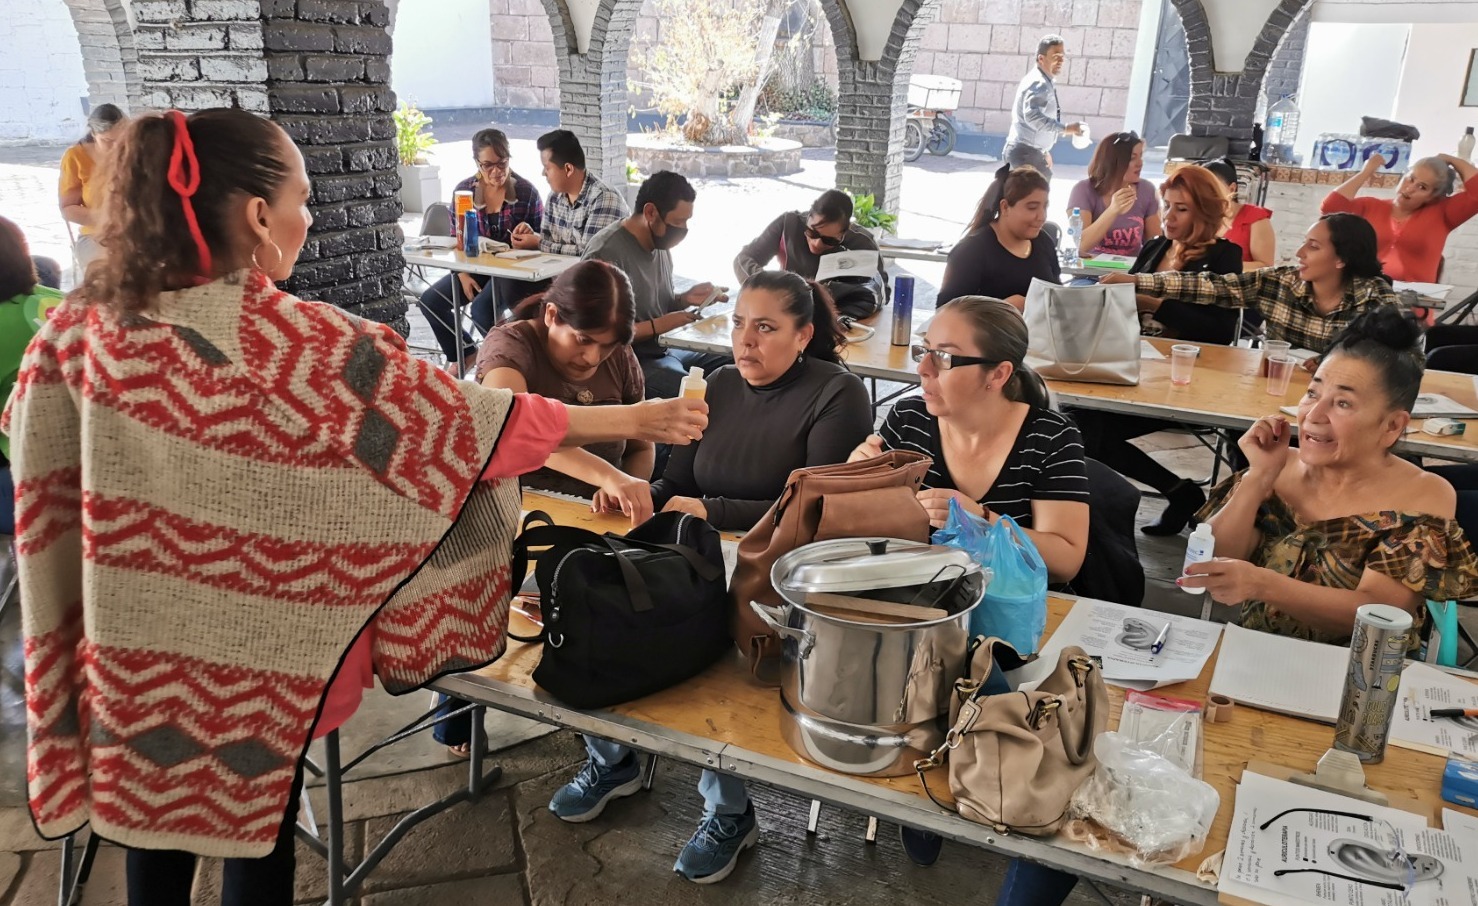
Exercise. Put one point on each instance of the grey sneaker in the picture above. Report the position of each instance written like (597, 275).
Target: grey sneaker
(714, 850)
(585, 797)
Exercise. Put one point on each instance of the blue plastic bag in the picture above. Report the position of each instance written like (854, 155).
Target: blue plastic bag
(1015, 605)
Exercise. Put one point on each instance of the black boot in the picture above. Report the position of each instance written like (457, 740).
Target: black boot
(1181, 503)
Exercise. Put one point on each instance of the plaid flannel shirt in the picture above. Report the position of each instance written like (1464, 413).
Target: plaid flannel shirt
(524, 208)
(1285, 301)
(569, 227)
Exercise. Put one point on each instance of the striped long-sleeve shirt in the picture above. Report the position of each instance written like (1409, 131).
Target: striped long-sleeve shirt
(1285, 300)
(569, 226)
(1046, 462)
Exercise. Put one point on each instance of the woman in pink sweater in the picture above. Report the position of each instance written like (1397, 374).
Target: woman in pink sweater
(1411, 229)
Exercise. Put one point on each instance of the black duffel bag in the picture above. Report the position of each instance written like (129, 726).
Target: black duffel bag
(625, 615)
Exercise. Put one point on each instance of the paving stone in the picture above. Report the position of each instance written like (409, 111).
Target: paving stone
(10, 870)
(502, 890)
(311, 881)
(40, 879)
(471, 839)
(18, 834)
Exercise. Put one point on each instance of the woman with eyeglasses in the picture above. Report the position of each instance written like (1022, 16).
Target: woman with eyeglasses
(82, 184)
(503, 200)
(985, 419)
(1119, 210)
(1005, 247)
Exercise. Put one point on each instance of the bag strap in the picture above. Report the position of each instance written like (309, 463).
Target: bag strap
(1103, 319)
(537, 530)
(1081, 749)
(701, 565)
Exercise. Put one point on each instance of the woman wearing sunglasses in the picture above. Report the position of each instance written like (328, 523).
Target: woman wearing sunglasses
(985, 420)
(800, 240)
(503, 200)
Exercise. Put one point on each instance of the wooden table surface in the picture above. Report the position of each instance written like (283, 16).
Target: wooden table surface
(726, 705)
(485, 265)
(1225, 389)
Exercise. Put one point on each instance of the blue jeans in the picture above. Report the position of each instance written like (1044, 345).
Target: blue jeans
(1030, 884)
(723, 794)
(436, 305)
(7, 502)
(455, 731)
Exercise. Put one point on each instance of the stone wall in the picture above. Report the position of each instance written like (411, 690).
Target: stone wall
(109, 57)
(987, 44)
(42, 84)
(1285, 69)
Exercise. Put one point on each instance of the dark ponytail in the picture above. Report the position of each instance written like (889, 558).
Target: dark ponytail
(809, 303)
(1000, 335)
(590, 296)
(1010, 186)
(1355, 244)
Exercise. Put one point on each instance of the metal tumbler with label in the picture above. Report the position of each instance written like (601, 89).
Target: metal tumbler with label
(1377, 653)
(902, 311)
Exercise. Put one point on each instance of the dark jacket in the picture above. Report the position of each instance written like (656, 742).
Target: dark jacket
(785, 238)
(1186, 321)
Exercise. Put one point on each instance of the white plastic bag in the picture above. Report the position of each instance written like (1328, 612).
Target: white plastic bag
(1147, 802)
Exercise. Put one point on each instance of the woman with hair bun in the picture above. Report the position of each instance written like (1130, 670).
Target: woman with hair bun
(1386, 528)
(997, 445)
(1005, 247)
(276, 493)
(1248, 226)
(1338, 277)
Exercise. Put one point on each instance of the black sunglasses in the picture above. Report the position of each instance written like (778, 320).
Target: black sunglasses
(944, 361)
(828, 241)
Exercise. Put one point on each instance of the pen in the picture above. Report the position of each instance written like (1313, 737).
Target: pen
(1454, 712)
(1160, 639)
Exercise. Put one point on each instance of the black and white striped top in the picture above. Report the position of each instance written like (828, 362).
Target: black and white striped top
(1046, 462)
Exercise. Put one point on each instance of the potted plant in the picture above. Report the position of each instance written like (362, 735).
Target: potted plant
(867, 215)
(420, 182)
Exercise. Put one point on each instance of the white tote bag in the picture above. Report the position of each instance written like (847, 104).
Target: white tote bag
(1083, 333)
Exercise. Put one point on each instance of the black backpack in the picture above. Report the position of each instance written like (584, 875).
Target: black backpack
(625, 615)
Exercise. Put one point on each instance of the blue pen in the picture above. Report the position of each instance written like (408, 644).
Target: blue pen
(1160, 640)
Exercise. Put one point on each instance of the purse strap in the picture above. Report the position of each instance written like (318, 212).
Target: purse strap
(1081, 749)
(1103, 319)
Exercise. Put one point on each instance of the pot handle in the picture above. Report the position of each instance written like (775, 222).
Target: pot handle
(775, 617)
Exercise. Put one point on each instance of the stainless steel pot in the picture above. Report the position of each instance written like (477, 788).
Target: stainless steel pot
(860, 696)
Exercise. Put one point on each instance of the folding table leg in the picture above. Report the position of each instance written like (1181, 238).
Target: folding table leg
(650, 774)
(814, 818)
(333, 786)
(872, 829)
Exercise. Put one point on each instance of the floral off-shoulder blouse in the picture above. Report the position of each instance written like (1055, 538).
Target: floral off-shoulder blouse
(1427, 554)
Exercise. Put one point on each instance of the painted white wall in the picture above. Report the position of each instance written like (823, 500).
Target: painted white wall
(1431, 86)
(1398, 11)
(1350, 70)
(1144, 64)
(873, 21)
(1235, 25)
(41, 79)
(443, 54)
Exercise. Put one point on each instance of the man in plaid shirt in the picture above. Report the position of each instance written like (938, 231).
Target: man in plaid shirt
(579, 205)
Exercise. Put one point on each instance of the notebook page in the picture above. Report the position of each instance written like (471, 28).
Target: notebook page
(1282, 674)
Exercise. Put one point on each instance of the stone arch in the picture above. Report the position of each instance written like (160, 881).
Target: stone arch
(110, 58)
(1225, 103)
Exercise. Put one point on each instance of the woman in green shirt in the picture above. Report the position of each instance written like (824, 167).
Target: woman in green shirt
(24, 303)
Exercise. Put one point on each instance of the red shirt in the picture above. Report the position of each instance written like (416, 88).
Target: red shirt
(1240, 231)
(1411, 249)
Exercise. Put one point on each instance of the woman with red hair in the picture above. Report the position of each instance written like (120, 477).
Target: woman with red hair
(1194, 210)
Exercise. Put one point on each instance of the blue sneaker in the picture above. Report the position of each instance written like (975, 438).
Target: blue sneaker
(714, 850)
(585, 797)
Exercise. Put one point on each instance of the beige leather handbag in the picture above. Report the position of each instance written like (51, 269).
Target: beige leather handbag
(1016, 758)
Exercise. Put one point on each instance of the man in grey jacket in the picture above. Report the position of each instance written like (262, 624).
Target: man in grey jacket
(1036, 117)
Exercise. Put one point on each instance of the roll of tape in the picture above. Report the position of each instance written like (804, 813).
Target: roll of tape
(1219, 708)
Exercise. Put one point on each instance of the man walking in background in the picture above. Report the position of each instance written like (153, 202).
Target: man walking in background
(1036, 117)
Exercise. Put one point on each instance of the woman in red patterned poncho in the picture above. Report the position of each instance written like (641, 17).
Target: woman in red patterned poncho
(219, 488)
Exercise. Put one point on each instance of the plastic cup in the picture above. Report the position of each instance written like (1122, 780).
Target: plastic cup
(1280, 369)
(1271, 348)
(1182, 363)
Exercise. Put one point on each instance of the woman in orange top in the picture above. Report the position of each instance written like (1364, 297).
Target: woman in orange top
(80, 191)
(1412, 228)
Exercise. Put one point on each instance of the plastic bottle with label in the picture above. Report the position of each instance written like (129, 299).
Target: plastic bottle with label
(1071, 252)
(1200, 548)
(693, 386)
(1280, 131)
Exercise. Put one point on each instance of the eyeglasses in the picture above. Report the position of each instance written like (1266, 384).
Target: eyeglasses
(1377, 860)
(828, 241)
(944, 361)
(494, 166)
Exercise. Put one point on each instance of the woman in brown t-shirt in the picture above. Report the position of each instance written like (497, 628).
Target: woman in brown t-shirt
(575, 347)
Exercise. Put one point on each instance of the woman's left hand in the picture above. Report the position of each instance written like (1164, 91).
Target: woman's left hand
(936, 504)
(625, 494)
(690, 505)
(1111, 279)
(1227, 581)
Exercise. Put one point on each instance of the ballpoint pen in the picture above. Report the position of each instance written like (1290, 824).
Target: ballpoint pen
(1160, 639)
(1454, 712)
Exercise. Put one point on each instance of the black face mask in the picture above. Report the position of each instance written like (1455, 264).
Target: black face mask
(670, 237)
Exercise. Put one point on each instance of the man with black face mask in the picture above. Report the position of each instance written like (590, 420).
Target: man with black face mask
(640, 245)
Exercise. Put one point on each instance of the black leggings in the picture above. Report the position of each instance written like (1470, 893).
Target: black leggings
(1106, 437)
(163, 877)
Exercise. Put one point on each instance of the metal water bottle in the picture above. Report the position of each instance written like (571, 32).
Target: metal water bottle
(902, 311)
(1377, 653)
(469, 235)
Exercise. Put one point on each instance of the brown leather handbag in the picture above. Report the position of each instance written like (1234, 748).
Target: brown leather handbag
(1016, 758)
(870, 497)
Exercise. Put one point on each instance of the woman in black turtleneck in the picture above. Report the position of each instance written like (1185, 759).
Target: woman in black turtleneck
(784, 404)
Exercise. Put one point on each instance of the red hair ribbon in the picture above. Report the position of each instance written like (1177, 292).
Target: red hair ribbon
(184, 178)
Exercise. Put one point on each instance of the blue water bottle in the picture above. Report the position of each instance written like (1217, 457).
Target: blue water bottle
(902, 311)
(469, 235)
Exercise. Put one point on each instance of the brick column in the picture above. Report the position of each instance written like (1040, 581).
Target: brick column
(872, 101)
(109, 58)
(592, 85)
(1286, 67)
(1225, 103)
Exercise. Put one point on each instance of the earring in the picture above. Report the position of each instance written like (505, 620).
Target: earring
(800, 356)
(258, 264)
(989, 386)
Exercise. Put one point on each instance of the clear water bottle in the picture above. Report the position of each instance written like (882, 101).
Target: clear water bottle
(1280, 131)
(1071, 253)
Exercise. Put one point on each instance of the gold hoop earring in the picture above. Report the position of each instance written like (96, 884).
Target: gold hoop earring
(258, 265)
